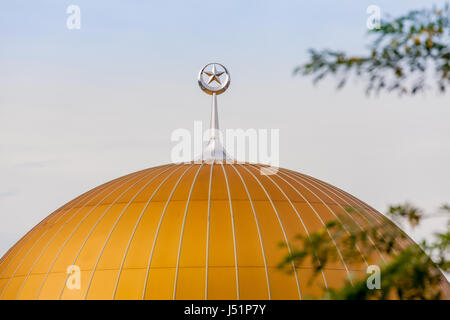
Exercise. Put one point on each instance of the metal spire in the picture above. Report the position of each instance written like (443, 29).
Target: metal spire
(213, 85)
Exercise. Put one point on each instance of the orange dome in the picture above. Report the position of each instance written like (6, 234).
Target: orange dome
(183, 231)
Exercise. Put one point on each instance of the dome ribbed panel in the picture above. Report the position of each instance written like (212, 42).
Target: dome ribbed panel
(186, 231)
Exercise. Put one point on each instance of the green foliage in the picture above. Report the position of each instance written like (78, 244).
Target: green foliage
(412, 214)
(316, 247)
(405, 53)
(410, 274)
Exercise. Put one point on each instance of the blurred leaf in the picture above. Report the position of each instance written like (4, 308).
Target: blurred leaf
(406, 54)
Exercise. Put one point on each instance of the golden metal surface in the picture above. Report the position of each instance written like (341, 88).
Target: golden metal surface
(187, 231)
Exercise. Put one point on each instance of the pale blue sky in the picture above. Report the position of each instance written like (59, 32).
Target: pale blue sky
(81, 107)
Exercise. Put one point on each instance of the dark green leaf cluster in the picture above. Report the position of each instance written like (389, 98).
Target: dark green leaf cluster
(409, 274)
(407, 55)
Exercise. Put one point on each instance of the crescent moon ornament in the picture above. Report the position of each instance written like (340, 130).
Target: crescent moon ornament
(214, 78)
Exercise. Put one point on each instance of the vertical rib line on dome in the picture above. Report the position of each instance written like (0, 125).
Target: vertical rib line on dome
(371, 211)
(331, 187)
(56, 233)
(207, 230)
(132, 236)
(349, 196)
(159, 226)
(378, 217)
(299, 217)
(35, 231)
(100, 219)
(343, 225)
(19, 246)
(114, 226)
(321, 220)
(346, 202)
(281, 225)
(38, 240)
(259, 230)
(182, 230)
(120, 184)
(234, 231)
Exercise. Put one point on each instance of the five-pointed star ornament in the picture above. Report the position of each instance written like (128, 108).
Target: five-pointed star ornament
(214, 75)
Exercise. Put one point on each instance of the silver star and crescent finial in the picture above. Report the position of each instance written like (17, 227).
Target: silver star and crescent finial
(214, 79)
